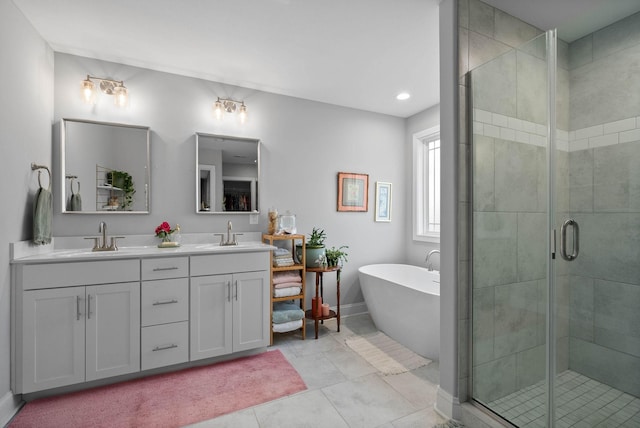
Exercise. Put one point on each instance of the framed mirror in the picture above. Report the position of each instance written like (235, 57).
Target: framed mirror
(227, 174)
(105, 167)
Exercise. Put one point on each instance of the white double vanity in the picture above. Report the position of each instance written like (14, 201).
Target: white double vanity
(79, 316)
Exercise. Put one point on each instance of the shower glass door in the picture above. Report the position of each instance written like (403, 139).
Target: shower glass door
(556, 231)
(510, 224)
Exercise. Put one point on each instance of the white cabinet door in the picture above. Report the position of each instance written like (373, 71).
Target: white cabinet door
(210, 321)
(251, 310)
(113, 330)
(53, 348)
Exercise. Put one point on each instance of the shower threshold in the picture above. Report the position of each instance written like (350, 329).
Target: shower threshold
(580, 402)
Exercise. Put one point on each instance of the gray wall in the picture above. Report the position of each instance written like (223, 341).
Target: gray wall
(604, 198)
(26, 112)
(304, 145)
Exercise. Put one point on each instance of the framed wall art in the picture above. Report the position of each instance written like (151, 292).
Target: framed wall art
(353, 191)
(383, 201)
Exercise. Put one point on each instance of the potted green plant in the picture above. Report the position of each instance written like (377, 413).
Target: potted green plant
(123, 181)
(336, 256)
(314, 248)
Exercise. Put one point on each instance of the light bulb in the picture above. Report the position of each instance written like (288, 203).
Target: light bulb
(88, 91)
(120, 95)
(217, 109)
(243, 113)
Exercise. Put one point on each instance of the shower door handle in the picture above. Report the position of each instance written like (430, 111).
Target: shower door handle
(576, 240)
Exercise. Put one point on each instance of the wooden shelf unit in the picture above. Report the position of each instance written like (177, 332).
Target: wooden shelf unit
(300, 267)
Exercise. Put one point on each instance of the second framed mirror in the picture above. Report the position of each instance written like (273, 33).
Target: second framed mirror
(227, 174)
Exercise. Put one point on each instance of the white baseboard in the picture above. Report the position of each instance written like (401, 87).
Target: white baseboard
(9, 406)
(353, 309)
(447, 405)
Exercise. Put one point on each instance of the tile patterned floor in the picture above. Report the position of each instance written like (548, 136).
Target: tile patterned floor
(343, 390)
(581, 403)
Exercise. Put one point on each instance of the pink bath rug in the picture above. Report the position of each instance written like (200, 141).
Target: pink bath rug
(171, 399)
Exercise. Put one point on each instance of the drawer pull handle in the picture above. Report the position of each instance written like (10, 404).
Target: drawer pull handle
(167, 268)
(162, 348)
(78, 313)
(166, 302)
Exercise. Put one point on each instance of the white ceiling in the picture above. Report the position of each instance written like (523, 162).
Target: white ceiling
(353, 53)
(572, 18)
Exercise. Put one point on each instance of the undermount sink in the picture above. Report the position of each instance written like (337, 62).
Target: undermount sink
(88, 252)
(218, 246)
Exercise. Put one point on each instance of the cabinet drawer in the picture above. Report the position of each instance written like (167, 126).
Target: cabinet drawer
(229, 263)
(165, 267)
(166, 344)
(53, 275)
(165, 301)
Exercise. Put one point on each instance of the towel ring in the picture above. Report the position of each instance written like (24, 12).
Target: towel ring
(78, 183)
(40, 168)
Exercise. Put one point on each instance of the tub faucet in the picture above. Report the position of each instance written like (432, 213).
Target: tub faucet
(427, 260)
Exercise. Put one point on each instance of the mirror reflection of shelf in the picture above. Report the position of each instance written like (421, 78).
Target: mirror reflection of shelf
(110, 187)
(108, 197)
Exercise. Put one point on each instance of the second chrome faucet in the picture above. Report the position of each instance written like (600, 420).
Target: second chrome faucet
(100, 242)
(230, 240)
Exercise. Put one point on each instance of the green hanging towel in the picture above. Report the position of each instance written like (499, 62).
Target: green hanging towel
(75, 204)
(42, 217)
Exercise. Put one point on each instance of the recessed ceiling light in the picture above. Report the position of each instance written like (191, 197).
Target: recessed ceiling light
(403, 96)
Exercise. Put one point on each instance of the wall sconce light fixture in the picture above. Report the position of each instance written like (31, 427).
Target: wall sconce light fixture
(107, 86)
(227, 105)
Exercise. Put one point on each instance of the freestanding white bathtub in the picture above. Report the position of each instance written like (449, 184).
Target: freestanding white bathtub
(404, 303)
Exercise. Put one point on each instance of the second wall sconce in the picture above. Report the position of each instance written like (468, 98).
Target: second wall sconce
(107, 86)
(227, 105)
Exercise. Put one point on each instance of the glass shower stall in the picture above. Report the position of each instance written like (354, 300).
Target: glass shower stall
(555, 217)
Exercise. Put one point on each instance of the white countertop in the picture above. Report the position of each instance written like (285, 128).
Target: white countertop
(49, 253)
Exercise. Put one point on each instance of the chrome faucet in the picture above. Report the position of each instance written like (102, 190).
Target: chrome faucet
(229, 240)
(102, 228)
(427, 260)
(100, 242)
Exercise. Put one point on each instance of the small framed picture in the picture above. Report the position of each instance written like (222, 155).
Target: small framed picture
(353, 191)
(383, 201)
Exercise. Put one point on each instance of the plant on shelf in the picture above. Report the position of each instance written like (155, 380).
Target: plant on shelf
(314, 248)
(336, 256)
(122, 180)
(316, 238)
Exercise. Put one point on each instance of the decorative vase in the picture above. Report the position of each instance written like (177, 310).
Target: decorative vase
(168, 241)
(316, 307)
(314, 255)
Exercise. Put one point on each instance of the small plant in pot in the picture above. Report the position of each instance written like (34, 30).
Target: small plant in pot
(314, 248)
(336, 256)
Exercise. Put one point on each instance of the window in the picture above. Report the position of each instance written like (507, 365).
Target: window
(426, 178)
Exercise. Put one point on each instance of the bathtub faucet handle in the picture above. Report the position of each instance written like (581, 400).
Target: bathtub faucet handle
(428, 259)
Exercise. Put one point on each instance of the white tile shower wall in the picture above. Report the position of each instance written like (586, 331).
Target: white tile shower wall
(497, 125)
